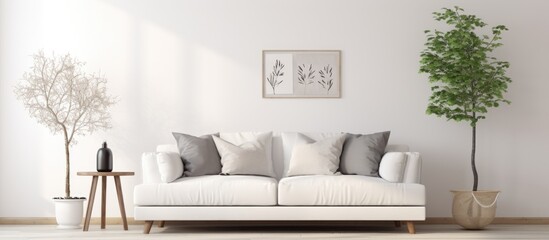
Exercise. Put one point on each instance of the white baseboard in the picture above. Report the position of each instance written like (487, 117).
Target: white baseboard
(51, 220)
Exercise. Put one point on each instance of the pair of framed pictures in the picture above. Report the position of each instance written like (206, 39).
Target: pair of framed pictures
(301, 74)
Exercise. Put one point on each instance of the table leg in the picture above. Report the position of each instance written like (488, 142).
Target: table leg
(90, 203)
(103, 200)
(121, 201)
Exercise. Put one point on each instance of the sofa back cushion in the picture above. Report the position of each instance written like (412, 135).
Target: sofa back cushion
(282, 150)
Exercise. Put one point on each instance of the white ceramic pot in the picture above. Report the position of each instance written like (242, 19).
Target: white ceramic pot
(69, 213)
(474, 210)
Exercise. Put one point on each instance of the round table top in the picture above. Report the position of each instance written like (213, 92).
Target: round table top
(105, 173)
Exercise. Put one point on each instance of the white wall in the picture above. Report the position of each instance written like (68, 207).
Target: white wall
(195, 66)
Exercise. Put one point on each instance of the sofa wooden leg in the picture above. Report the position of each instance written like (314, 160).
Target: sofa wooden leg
(397, 224)
(147, 227)
(411, 227)
(161, 224)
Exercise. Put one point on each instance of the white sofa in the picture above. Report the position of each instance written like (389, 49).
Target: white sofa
(396, 196)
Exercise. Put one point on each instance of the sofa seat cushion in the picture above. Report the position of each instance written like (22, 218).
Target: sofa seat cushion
(346, 190)
(209, 191)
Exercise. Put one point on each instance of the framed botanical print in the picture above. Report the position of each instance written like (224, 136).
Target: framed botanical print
(301, 74)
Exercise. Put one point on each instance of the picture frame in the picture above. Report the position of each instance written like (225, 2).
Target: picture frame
(301, 73)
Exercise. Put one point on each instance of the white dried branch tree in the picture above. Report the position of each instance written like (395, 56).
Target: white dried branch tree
(58, 94)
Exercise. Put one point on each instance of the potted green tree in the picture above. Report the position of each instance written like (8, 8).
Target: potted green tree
(465, 82)
(58, 94)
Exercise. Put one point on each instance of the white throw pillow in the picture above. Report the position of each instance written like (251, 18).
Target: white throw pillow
(170, 166)
(245, 158)
(315, 158)
(392, 166)
(238, 138)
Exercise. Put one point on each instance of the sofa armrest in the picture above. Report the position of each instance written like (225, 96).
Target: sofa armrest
(402, 167)
(150, 168)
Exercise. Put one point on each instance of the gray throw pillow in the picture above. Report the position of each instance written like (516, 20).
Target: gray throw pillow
(199, 155)
(362, 153)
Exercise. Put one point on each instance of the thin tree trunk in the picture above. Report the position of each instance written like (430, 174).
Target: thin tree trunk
(68, 166)
(473, 165)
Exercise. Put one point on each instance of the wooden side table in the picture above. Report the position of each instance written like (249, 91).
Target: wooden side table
(104, 175)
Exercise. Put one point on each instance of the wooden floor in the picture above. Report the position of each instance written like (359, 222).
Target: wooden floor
(175, 231)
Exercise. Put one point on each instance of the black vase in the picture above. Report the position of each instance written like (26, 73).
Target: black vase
(104, 159)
